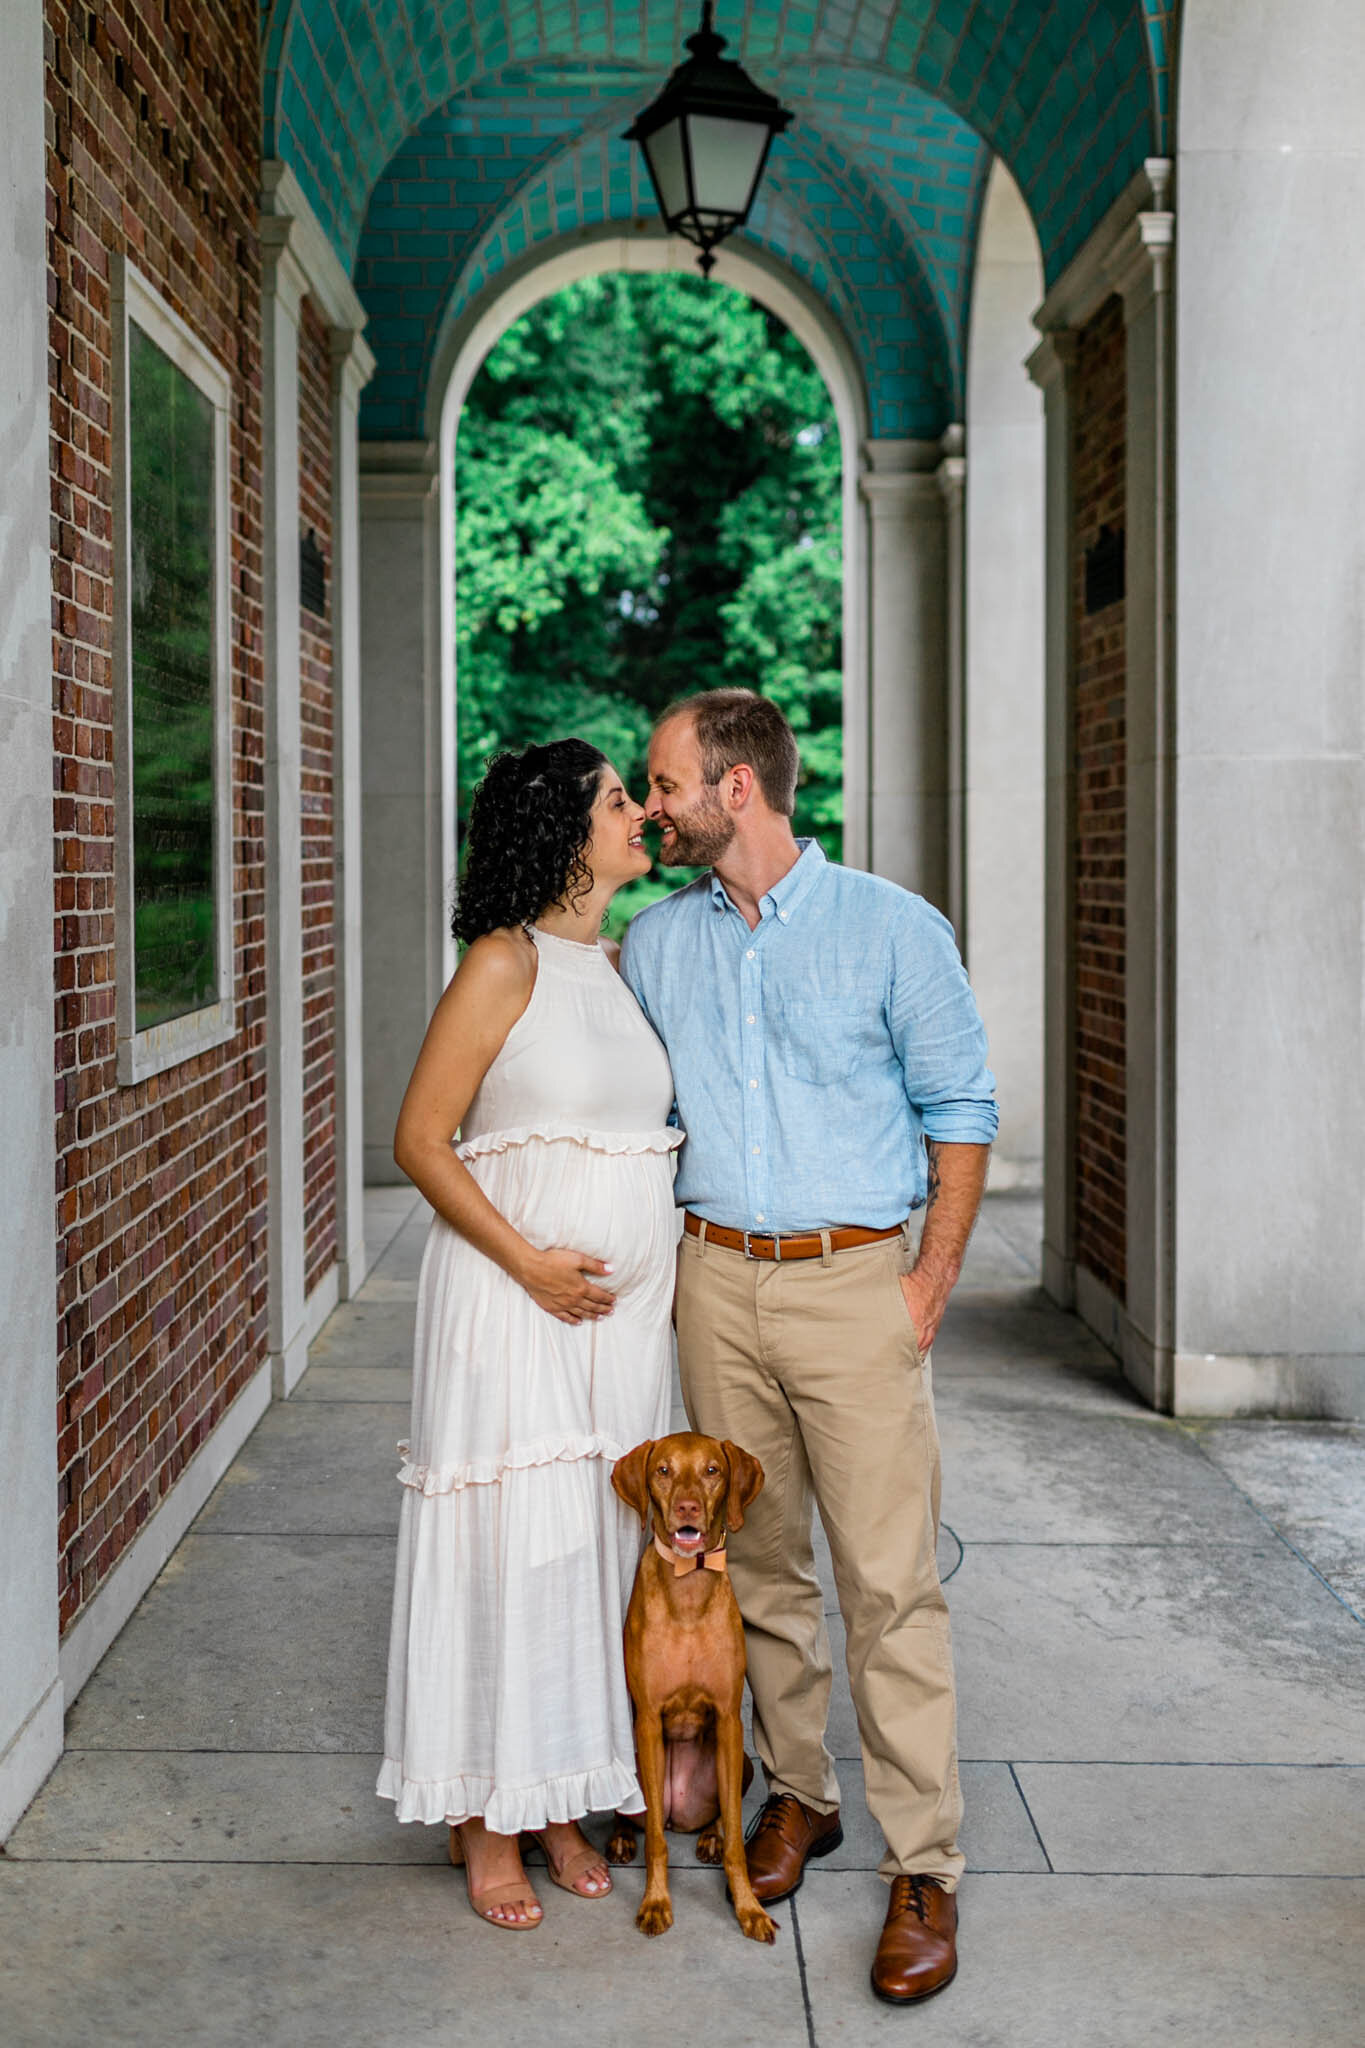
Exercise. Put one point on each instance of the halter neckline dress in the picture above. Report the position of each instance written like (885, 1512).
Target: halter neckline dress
(506, 1685)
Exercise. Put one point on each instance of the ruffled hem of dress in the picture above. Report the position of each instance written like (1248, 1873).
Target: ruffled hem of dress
(614, 1144)
(507, 1812)
(565, 1450)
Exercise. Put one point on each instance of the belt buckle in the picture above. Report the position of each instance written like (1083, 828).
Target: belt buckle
(747, 1253)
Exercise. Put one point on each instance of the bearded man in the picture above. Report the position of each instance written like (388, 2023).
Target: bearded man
(830, 1071)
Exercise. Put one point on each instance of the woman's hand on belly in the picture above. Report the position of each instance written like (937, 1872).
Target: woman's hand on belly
(558, 1281)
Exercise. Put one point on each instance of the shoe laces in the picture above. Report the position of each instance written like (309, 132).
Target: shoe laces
(773, 1815)
(908, 1894)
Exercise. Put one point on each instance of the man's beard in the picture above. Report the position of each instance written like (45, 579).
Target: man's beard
(701, 834)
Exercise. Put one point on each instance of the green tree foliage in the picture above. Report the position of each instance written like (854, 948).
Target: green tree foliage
(648, 504)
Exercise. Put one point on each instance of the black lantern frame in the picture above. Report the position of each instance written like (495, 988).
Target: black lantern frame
(706, 141)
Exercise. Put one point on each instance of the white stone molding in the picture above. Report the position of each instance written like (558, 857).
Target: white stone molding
(1140, 267)
(285, 287)
(152, 1050)
(30, 1690)
(352, 367)
(1050, 366)
(1130, 254)
(952, 482)
(289, 227)
(769, 283)
(283, 200)
(407, 762)
(907, 665)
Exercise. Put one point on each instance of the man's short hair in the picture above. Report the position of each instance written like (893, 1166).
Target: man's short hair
(734, 726)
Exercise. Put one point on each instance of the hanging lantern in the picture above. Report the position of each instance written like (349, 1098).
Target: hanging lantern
(706, 139)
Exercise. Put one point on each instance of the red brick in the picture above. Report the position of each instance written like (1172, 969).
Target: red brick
(1098, 854)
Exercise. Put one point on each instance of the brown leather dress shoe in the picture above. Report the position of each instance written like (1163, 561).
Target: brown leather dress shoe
(917, 1954)
(781, 1839)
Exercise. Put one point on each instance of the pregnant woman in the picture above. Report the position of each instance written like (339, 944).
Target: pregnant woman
(542, 1342)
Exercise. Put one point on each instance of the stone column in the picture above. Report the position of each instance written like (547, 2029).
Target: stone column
(406, 738)
(1269, 1223)
(1050, 367)
(285, 285)
(1005, 773)
(30, 1689)
(352, 367)
(952, 481)
(907, 667)
(1140, 269)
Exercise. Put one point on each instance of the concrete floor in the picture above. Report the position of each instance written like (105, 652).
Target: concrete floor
(1160, 1654)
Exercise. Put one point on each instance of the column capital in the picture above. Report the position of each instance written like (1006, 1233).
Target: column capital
(397, 478)
(353, 363)
(288, 219)
(951, 478)
(901, 476)
(284, 278)
(1139, 264)
(1051, 363)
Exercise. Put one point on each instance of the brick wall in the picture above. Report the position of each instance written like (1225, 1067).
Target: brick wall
(315, 672)
(152, 127)
(1098, 741)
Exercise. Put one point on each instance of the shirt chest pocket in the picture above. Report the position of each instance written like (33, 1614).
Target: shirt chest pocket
(820, 1039)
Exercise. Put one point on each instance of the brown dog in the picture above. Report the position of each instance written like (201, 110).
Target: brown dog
(685, 1663)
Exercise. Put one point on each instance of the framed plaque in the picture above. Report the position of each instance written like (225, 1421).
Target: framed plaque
(172, 738)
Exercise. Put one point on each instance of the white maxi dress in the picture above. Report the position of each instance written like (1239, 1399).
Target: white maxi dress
(506, 1687)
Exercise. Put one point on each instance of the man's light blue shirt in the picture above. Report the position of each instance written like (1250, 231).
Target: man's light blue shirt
(812, 1056)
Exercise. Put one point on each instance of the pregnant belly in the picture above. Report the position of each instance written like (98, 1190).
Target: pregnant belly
(617, 1207)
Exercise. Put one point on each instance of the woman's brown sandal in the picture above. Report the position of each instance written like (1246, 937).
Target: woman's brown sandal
(574, 1867)
(484, 1902)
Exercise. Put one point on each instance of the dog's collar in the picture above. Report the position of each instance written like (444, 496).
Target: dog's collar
(705, 1560)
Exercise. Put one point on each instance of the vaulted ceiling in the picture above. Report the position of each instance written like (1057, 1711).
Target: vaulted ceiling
(440, 140)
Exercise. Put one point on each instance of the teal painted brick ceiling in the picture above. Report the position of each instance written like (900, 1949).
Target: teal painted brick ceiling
(438, 140)
(486, 180)
(1068, 92)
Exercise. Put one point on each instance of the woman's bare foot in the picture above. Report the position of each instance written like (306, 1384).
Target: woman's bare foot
(499, 1889)
(573, 1861)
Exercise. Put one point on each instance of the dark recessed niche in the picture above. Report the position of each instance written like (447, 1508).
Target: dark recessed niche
(1104, 573)
(312, 575)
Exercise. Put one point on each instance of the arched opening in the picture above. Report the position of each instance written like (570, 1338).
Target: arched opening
(804, 316)
(647, 492)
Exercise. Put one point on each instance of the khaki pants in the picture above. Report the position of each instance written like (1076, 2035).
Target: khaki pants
(813, 1367)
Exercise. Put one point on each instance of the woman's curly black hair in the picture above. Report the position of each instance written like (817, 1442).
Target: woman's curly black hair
(528, 828)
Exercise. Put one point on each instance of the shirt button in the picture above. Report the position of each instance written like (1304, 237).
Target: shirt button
(759, 1217)
(753, 1084)
(751, 1019)
(756, 1150)
(783, 915)
(750, 954)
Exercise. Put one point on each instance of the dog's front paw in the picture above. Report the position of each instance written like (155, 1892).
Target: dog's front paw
(754, 1922)
(655, 1916)
(622, 1843)
(711, 1844)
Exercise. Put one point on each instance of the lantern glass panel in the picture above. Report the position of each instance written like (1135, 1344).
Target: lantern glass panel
(726, 157)
(664, 148)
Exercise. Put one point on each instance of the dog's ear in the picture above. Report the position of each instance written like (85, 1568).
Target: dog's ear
(630, 1478)
(746, 1484)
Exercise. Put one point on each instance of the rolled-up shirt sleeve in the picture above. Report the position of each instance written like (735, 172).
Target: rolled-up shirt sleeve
(937, 1030)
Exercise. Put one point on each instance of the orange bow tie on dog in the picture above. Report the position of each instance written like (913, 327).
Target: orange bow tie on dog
(709, 1560)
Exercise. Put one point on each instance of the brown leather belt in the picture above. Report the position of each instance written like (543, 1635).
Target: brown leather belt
(794, 1244)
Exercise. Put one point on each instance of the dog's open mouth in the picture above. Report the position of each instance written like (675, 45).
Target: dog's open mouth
(688, 1540)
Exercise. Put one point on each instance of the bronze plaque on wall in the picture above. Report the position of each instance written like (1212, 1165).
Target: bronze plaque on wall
(171, 492)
